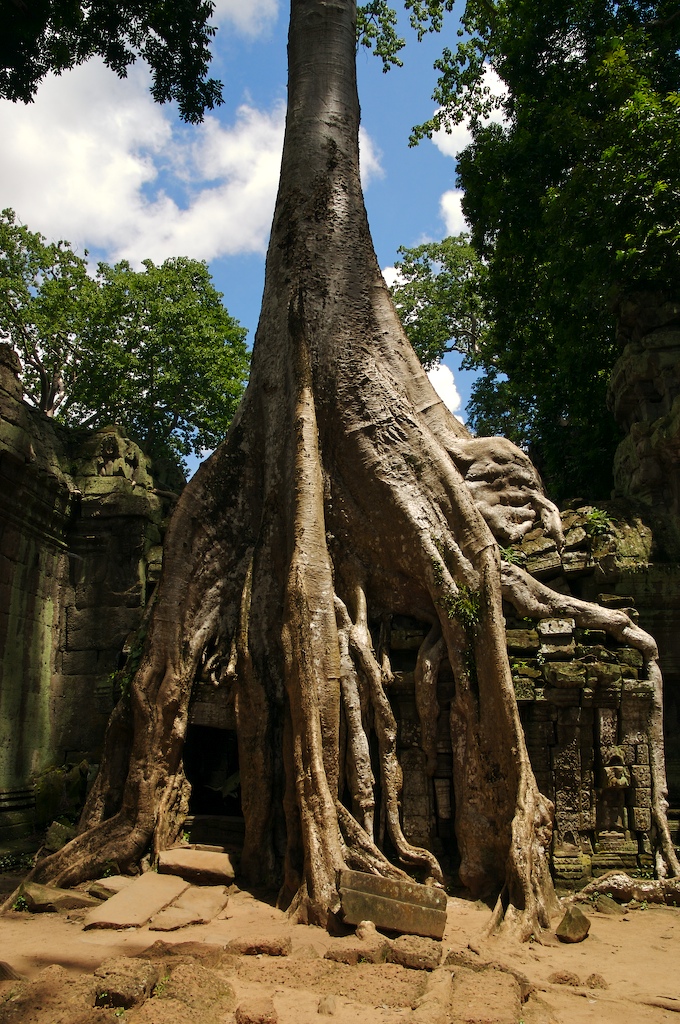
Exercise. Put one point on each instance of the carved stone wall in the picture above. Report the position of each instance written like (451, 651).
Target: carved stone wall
(584, 699)
(80, 550)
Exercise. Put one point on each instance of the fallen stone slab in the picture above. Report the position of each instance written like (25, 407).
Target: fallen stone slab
(200, 866)
(398, 906)
(196, 905)
(573, 927)
(137, 903)
(42, 899)
(260, 945)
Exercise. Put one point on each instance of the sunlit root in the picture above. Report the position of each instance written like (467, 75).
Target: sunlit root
(623, 888)
(506, 488)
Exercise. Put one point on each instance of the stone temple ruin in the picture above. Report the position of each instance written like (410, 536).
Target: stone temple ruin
(81, 526)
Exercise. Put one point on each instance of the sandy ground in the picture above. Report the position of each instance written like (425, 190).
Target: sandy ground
(637, 958)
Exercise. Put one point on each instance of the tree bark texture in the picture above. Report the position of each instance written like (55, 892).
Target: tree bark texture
(345, 493)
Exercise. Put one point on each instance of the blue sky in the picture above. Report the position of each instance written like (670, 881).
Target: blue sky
(95, 161)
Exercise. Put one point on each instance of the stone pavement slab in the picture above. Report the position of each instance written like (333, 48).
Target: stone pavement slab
(134, 905)
(196, 905)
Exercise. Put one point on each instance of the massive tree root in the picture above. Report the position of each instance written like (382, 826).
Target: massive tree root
(345, 493)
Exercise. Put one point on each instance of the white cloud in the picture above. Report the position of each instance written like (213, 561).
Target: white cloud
(96, 161)
(392, 276)
(451, 143)
(369, 158)
(441, 379)
(250, 17)
(450, 207)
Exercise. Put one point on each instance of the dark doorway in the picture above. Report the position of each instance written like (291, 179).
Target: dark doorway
(212, 768)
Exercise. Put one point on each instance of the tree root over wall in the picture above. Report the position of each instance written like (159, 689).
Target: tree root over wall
(344, 493)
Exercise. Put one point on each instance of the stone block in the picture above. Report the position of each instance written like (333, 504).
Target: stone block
(576, 563)
(642, 797)
(521, 640)
(552, 629)
(641, 774)
(544, 565)
(563, 696)
(525, 689)
(629, 656)
(642, 819)
(557, 651)
(392, 904)
(124, 981)
(642, 753)
(199, 866)
(567, 675)
(416, 952)
(603, 674)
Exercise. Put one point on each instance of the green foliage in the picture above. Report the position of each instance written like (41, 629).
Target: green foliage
(173, 39)
(173, 360)
(573, 203)
(598, 523)
(464, 605)
(40, 288)
(438, 298)
(152, 350)
(20, 903)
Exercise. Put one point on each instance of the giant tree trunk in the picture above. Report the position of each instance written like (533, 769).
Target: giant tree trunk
(344, 493)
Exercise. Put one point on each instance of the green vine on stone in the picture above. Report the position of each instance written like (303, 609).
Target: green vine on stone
(464, 605)
(598, 522)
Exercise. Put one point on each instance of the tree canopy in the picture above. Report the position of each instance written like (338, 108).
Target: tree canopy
(153, 350)
(572, 201)
(55, 35)
(438, 296)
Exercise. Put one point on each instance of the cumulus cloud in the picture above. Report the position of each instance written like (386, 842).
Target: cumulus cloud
(392, 276)
(451, 210)
(250, 17)
(442, 380)
(369, 159)
(96, 161)
(451, 143)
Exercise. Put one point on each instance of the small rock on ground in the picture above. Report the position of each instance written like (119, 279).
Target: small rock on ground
(573, 927)
(564, 978)
(48, 899)
(256, 1011)
(596, 981)
(328, 1006)
(606, 905)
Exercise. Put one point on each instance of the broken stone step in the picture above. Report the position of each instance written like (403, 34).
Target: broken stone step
(196, 905)
(398, 906)
(104, 888)
(137, 903)
(42, 899)
(199, 866)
